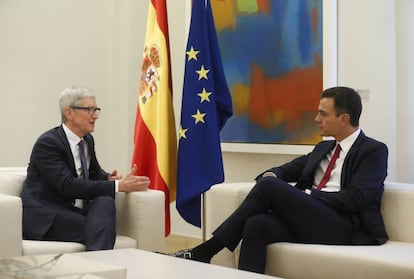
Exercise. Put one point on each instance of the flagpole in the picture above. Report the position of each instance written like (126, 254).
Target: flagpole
(203, 216)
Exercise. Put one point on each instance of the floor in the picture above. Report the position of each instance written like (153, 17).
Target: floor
(179, 242)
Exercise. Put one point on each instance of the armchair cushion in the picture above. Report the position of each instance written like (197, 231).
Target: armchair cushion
(34, 247)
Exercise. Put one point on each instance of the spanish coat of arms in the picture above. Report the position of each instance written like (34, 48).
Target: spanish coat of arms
(150, 78)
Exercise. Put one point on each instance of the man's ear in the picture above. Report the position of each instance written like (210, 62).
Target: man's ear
(68, 113)
(345, 119)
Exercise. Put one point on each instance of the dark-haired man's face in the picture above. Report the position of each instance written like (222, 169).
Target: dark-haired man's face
(326, 120)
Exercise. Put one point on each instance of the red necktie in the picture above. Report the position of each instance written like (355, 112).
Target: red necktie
(331, 165)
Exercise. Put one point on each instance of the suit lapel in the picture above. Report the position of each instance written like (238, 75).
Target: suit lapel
(89, 141)
(352, 153)
(313, 160)
(355, 147)
(94, 166)
(66, 146)
(319, 154)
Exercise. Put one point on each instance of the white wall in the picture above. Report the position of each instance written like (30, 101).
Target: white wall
(47, 45)
(367, 61)
(405, 85)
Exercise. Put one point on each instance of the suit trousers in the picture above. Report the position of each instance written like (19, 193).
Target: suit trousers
(275, 211)
(94, 225)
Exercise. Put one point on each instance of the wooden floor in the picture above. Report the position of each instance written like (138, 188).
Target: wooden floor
(175, 243)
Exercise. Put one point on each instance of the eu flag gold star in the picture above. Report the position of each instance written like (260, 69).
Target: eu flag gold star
(192, 54)
(202, 73)
(204, 96)
(199, 117)
(182, 132)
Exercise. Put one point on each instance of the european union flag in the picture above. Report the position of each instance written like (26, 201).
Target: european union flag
(206, 106)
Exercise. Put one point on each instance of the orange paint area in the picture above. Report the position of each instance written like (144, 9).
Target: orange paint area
(284, 100)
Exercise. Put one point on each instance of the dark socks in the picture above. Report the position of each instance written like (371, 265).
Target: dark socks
(206, 250)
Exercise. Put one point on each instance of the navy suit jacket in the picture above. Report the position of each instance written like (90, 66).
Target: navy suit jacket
(362, 184)
(53, 184)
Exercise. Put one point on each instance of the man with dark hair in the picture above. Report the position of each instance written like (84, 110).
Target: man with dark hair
(336, 198)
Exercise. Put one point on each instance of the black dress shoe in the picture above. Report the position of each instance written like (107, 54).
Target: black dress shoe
(184, 254)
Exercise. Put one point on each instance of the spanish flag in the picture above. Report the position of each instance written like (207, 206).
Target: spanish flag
(155, 142)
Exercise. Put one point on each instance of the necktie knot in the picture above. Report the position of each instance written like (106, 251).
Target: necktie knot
(337, 151)
(81, 144)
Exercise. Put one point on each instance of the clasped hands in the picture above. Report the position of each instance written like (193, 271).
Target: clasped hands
(131, 182)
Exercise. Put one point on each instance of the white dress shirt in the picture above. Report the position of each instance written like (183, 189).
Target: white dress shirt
(74, 140)
(335, 179)
(74, 146)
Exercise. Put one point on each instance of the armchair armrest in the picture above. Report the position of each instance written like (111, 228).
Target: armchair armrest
(11, 220)
(141, 216)
(221, 201)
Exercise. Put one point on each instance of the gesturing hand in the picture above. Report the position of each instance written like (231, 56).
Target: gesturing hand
(114, 176)
(132, 182)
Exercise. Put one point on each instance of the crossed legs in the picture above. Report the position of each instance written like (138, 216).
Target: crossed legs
(274, 211)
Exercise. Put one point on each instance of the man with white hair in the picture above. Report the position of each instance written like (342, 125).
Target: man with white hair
(67, 196)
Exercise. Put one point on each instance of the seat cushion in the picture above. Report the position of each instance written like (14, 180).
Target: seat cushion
(34, 247)
(290, 260)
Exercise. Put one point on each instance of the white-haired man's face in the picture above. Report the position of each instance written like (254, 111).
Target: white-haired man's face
(81, 119)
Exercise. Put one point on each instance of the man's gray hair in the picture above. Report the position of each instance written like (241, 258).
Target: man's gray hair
(71, 97)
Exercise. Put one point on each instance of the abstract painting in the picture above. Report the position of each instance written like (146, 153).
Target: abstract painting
(272, 58)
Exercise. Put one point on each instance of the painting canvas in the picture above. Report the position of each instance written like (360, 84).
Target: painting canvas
(272, 58)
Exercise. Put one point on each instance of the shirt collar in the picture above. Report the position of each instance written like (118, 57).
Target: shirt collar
(71, 136)
(347, 142)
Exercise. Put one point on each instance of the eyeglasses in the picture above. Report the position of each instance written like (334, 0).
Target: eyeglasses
(90, 110)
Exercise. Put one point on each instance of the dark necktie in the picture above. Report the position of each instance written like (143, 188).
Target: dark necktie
(84, 163)
(330, 167)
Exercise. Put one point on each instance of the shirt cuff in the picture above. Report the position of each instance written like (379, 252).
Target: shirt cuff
(269, 173)
(116, 186)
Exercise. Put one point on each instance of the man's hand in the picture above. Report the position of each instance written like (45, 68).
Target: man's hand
(132, 182)
(114, 176)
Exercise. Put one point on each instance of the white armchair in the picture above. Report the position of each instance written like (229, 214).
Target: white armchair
(394, 259)
(140, 221)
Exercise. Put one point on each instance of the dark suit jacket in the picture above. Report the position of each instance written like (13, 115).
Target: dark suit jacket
(52, 182)
(362, 184)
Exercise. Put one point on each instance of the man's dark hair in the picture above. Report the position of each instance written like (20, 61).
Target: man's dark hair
(346, 100)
